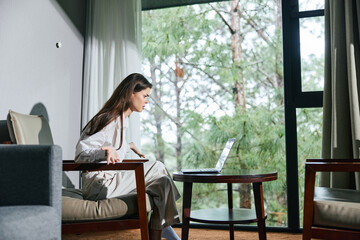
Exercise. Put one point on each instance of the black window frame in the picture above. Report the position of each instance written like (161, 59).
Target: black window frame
(294, 98)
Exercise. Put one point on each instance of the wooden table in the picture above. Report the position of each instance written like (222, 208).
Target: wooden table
(228, 215)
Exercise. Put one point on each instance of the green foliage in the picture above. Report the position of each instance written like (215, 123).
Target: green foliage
(309, 122)
(196, 40)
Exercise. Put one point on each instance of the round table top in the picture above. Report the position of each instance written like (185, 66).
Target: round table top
(228, 176)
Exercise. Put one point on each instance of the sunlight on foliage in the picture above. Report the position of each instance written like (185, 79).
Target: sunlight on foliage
(217, 75)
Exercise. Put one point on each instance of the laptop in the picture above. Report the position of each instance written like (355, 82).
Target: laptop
(219, 165)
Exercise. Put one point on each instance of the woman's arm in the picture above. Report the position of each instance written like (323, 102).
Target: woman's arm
(96, 148)
(135, 150)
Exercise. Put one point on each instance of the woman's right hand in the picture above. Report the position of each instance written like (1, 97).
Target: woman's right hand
(111, 155)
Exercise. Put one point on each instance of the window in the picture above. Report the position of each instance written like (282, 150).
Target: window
(217, 73)
(214, 79)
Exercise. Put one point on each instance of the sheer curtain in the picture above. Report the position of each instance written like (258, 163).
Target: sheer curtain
(112, 51)
(341, 124)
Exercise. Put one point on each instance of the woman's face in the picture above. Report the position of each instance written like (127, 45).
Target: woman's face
(138, 100)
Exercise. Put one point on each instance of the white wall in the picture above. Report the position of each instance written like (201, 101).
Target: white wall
(33, 69)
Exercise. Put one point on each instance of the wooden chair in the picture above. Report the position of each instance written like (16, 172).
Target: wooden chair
(330, 213)
(33, 129)
(116, 224)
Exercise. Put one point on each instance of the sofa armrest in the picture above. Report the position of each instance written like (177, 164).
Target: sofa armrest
(30, 175)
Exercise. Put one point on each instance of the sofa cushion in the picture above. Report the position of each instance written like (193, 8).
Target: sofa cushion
(29, 222)
(29, 129)
(335, 207)
(76, 209)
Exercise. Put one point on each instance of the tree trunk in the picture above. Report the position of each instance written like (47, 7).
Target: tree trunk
(156, 94)
(179, 75)
(278, 25)
(237, 54)
(239, 86)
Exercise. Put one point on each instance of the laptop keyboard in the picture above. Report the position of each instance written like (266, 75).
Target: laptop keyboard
(200, 170)
(207, 170)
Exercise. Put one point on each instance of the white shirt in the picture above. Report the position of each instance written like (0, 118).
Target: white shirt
(88, 149)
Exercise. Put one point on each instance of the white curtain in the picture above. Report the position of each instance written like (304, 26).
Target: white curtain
(112, 51)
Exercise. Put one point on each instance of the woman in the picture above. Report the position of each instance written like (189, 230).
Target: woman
(104, 139)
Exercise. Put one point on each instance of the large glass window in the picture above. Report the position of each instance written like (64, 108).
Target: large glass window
(309, 128)
(309, 120)
(312, 47)
(217, 73)
(308, 5)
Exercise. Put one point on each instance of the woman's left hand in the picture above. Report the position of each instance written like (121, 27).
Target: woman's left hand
(140, 155)
(135, 150)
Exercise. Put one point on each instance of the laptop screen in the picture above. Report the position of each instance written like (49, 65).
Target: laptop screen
(225, 154)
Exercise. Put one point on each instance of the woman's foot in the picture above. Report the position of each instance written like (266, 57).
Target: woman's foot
(169, 233)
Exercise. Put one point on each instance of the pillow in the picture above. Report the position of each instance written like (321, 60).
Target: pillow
(29, 129)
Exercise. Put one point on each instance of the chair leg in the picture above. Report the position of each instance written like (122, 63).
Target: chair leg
(308, 202)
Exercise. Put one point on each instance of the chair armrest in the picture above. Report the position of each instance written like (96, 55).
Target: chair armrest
(126, 164)
(333, 165)
(71, 165)
(135, 160)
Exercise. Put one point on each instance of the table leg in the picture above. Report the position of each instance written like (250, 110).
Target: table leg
(259, 207)
(230, 205)
(187, 192)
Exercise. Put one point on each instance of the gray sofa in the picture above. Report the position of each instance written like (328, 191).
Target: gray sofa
(30, 203)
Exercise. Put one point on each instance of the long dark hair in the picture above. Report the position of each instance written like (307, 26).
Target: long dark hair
(117, 104)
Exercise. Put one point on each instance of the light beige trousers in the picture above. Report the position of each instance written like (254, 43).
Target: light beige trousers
(99, 185)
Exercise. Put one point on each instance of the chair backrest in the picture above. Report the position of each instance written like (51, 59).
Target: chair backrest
(28, 129)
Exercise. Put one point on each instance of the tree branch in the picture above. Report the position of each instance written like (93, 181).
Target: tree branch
(223, 19)
(211, 77)
(258, 30)
(171, 118)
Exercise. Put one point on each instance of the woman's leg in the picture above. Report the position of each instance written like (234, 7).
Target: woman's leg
(164, 211)
(124, 181)
(159, 186)
(155, 234)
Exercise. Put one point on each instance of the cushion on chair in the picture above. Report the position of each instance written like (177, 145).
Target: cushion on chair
(337, 208)
(29, 129)
(75, 209)
(29, 222)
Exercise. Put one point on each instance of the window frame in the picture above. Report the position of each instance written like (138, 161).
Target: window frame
(294, 98)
